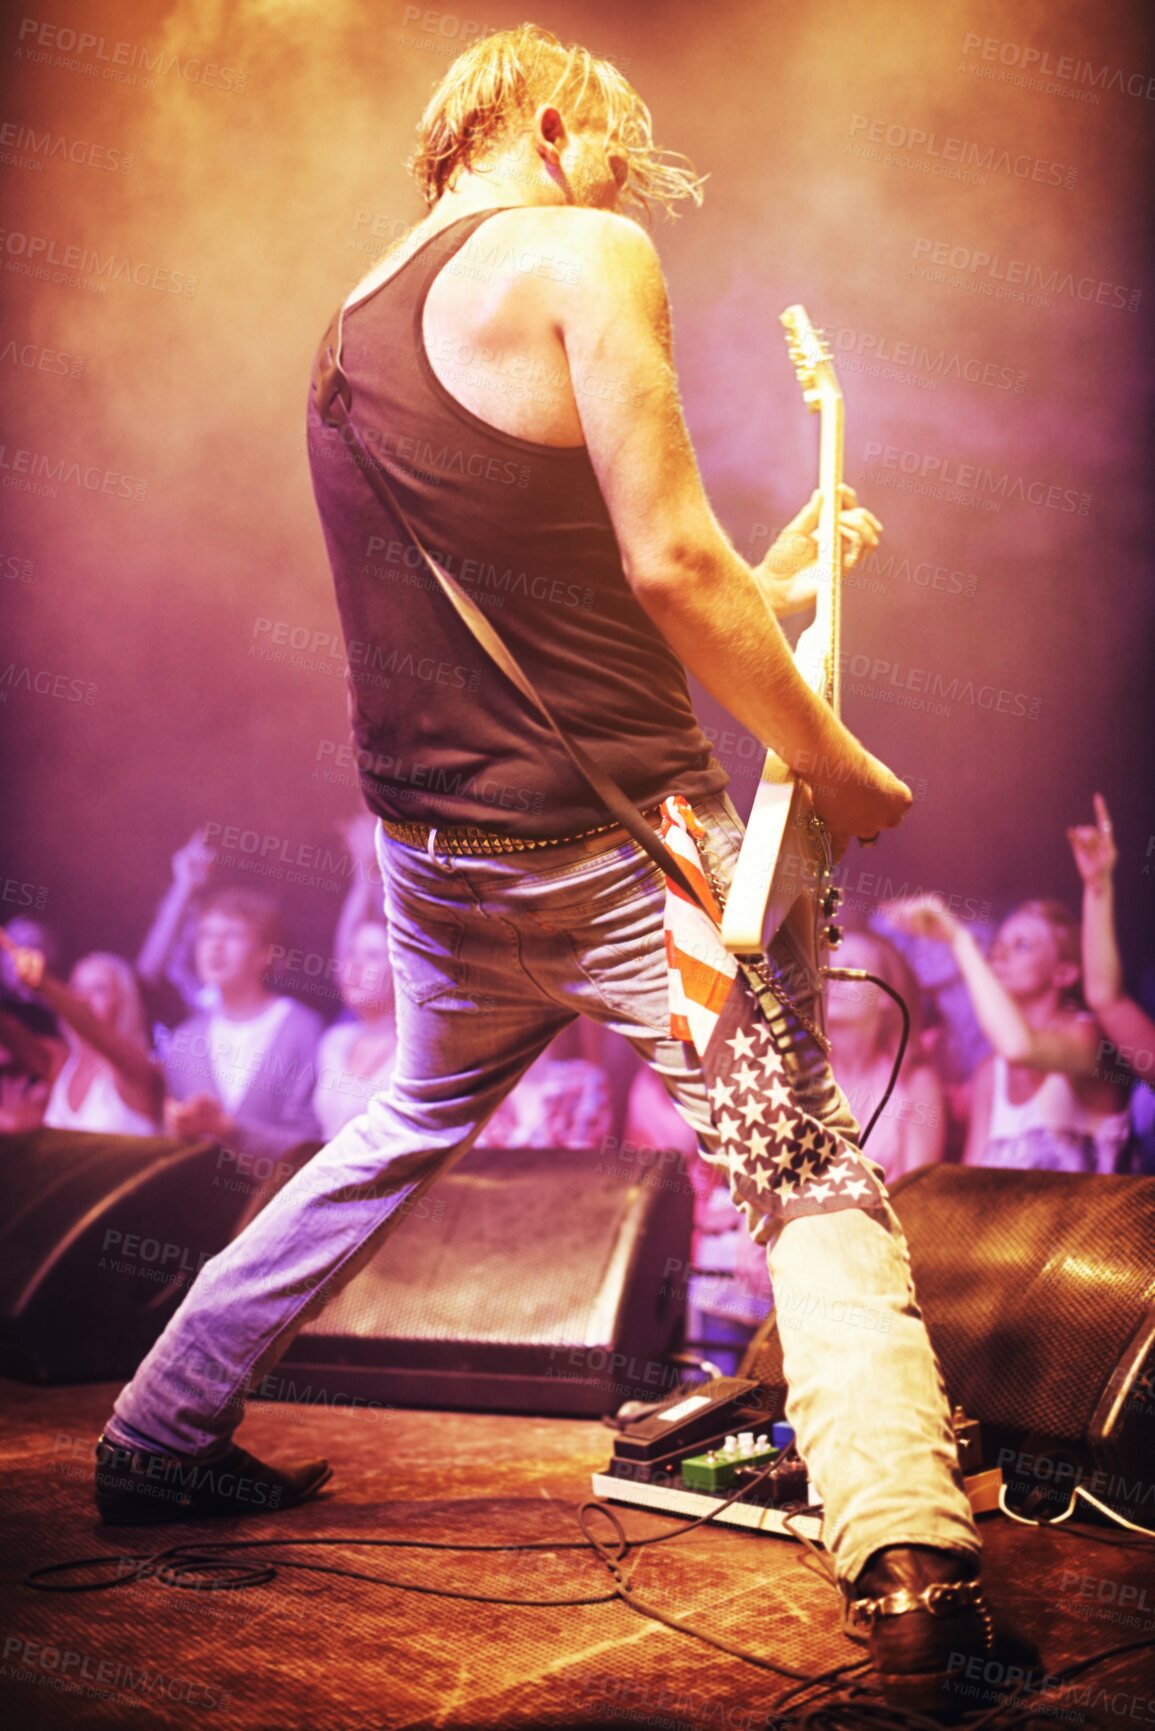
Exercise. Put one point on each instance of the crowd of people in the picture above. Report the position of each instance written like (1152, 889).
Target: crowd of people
(1023, 1052)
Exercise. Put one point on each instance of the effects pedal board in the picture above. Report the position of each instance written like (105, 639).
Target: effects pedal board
(687, 1455)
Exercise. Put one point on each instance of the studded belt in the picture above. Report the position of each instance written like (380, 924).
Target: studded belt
(433, 838)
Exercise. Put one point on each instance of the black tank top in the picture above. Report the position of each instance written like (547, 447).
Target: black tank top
(440, 735)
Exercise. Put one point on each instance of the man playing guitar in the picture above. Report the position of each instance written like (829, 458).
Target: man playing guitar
(510, 369)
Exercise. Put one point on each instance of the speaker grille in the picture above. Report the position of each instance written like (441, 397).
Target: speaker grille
(1032, 1285)
(526, 1280)
(1053, 1279)
(517, 1243)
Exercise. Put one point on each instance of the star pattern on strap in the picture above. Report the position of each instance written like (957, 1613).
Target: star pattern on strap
(782, 1160)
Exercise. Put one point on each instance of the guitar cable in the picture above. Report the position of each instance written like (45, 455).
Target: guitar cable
(859, 974)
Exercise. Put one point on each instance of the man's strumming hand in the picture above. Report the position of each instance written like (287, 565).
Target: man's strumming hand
(860, 798)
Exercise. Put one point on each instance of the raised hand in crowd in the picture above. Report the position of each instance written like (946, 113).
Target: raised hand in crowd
(170, 933)
(1126, 1024)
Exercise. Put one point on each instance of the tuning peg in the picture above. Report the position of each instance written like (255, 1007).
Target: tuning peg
(833, 936)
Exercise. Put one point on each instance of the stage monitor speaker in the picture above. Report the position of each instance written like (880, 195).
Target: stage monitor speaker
(526, 1280)
(100, 1237)
(1038, 1290)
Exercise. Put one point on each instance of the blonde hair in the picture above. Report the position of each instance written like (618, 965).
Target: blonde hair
(1063, 923)
(1066, 931)
(129, 1016)
(506, 76)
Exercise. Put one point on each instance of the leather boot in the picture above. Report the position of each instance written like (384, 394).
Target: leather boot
(933, 1642)
(136, 1488)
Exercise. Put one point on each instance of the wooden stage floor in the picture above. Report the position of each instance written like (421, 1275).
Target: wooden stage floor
(309, 1650)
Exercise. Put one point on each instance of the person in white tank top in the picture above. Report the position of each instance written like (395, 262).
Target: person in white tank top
(105, 1078)
(1040, 1101)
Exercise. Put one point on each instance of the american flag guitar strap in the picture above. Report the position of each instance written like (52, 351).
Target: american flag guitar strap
(782, 1160)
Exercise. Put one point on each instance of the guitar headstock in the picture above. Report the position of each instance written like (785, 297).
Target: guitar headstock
(811, 355)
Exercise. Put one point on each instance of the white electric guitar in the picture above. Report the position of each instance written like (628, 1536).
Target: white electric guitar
(786, 852)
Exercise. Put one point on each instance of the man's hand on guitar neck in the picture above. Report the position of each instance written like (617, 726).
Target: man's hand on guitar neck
(788, 574)
(857, 797)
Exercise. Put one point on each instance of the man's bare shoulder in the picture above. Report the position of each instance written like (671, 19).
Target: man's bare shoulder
(566, 243)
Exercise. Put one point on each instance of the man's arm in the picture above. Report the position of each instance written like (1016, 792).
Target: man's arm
(614, 323)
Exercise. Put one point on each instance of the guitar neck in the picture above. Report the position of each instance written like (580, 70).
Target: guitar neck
(785, 855)
(819, 650)
(828, 609)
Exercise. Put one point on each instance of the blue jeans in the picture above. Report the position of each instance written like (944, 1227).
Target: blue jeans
(492, 957)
